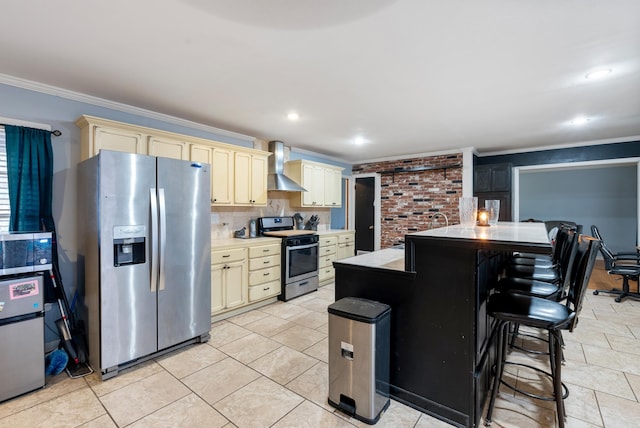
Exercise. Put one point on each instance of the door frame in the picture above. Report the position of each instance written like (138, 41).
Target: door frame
(515, 178)
(377, 212)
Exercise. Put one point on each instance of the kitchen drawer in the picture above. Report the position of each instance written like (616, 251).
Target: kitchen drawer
(327, 260)
(326, 273)
(264, 275)
(264, 262)
(345, 237)
(328, 240)
(262, 291)
(230, 255)
(323, 251)
(264, 250)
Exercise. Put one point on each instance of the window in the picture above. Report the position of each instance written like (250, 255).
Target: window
(5, 208)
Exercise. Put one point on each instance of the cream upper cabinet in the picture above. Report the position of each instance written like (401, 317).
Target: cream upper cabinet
(222, 177)
(203, 154)
(323, 183)
(221, 161)
(168, 148)
(238, 174)
(333, 187)
(95, 137)
(250, 184)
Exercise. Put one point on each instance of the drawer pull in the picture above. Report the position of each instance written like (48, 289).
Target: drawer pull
(224, 256)
(266, 289)
(266, 250)
(267, 262)
(266, 274)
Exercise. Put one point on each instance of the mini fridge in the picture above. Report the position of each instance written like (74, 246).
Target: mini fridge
(21, 335)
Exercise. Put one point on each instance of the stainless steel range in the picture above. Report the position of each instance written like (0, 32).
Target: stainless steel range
(299, 255)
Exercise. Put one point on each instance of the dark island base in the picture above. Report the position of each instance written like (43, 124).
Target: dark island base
(440, 358)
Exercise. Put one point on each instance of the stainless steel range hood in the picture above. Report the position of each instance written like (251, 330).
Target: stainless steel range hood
(276, 180)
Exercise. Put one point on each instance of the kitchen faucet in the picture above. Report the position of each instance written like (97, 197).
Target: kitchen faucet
(433, 217)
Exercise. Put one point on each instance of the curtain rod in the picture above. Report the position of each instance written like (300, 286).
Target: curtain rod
(27, 124)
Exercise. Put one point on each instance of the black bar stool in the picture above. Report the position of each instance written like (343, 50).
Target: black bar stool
(519, 309)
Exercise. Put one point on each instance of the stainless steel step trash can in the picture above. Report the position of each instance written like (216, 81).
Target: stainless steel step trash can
(359, 357)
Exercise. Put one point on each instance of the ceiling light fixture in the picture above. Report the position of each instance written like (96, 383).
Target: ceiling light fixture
(293, 116)
(598, 74)
(580, 120)
(358, 141)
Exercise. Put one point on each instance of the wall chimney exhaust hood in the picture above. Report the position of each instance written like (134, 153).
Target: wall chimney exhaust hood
(276, 180)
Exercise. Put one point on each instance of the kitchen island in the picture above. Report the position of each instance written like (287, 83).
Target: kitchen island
(437, 288)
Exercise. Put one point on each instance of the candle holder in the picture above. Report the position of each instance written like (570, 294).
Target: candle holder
(483, 217)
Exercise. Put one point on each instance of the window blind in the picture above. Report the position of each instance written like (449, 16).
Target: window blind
(5, 208)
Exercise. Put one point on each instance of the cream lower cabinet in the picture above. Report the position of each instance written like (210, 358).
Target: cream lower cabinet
(346, 245)
(333, 246)
(229, 279)
(264, 272)
(327, 250)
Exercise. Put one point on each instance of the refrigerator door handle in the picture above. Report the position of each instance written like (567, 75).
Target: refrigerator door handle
(154, 239)
(163, 236)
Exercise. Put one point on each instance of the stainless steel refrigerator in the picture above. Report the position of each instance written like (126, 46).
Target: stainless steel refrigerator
(145, 248)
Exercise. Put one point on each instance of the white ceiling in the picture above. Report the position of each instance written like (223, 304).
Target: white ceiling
(410, 76)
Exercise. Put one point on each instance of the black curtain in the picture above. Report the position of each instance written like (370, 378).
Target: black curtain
(30, 180)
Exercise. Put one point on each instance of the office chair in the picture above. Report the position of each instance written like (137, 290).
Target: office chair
(627, 265)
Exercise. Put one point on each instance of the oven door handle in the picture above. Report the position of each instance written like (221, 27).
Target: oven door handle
(302, 247)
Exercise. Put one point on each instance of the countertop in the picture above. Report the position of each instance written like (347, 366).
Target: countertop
(389, 258)
(506, 232)
(239, 242)
(333, 231)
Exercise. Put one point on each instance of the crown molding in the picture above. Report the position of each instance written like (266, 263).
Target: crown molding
(563, 146)
(113, 105)
(416, 155)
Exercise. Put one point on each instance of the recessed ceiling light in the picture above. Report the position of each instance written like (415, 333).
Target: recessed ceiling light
(293, 116)
(598, 74)
(580, 120)
(358, 141)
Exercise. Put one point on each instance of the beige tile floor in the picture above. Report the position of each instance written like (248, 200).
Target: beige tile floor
(268, 368)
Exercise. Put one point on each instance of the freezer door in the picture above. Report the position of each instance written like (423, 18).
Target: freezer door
(127, 303)
(184, 290)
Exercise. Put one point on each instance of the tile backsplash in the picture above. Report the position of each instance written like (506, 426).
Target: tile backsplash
(226, 220)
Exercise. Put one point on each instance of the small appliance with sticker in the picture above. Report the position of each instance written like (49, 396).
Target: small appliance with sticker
(21, 335)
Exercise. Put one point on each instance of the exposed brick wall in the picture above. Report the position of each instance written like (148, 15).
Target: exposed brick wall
(410, 199)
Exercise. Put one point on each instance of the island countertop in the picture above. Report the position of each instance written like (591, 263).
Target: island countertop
(531, 237)
(389, 258)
